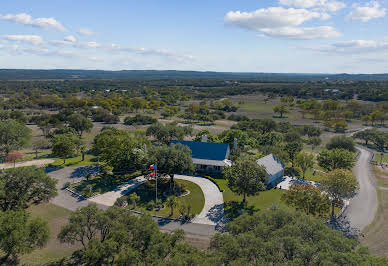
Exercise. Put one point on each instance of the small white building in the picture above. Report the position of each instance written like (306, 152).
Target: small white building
(274, 168)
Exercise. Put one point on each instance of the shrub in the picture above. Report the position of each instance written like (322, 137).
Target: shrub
(150, 205)
(111, 119)
(139, 120)
(67, 184)
(292, 171)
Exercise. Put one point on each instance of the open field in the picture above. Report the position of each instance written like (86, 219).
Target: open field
(376, 234)
(255, 107)
(56, 217)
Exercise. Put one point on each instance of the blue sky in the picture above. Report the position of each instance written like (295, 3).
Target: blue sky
(305, 36)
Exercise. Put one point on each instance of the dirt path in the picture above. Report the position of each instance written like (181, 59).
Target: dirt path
(38, 163)
(362, 208)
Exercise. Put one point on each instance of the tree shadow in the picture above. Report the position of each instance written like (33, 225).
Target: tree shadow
(91, 170)
(234, 209)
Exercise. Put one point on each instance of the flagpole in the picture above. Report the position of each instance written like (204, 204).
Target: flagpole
(156, 187)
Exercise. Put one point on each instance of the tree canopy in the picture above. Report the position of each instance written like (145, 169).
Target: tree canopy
(120, 149)
(23, 185)
(336, 159)
(339, 184)
(21, 234)
(165, 133)
(13, 136)
(64, 145)
(341, 142)
(245, 177)
(173, 159)
(285, 237)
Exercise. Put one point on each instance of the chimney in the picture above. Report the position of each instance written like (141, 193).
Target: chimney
(204, 138)
(235, 145)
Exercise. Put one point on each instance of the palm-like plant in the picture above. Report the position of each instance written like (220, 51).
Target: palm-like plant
(134, 198)
(172, 202)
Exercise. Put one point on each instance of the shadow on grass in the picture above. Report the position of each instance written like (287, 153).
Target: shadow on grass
(103, 184)
(234, 209)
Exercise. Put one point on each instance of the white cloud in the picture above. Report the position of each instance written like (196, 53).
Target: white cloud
(32, 39)
(354, 47)
(70, 38)
(72, 41)
(25, 19)
(85, 31)
(295, 33)
(331, 6)
(365, 13)
(155, 52)
(89, 45)
(273, 17)
(279, 22)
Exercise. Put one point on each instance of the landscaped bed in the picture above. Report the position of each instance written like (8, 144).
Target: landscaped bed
(192, 195)
(101, 184)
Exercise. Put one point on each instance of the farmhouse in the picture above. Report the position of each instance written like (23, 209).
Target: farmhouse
(274, 168)
(208, 156)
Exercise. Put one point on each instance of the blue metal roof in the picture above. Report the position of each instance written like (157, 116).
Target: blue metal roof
(206, 150)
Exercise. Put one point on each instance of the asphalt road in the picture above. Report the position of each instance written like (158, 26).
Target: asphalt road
(362, 208)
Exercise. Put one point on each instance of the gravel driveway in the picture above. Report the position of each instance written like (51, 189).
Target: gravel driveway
(362, 208)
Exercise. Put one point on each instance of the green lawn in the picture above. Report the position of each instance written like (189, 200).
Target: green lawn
(261, 201)
(147, 193)
(102, 184)
(54, 251)
(76, 161)
(29, 156)
(378, 156)
(316, 177)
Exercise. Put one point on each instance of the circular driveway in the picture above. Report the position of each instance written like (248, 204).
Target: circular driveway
(213, 210)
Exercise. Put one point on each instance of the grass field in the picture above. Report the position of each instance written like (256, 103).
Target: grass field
(56, 217)
(376, 234)
(147, 193)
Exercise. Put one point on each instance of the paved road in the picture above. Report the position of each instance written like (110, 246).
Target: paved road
(213, 210)
(362, 208)
(38, 163)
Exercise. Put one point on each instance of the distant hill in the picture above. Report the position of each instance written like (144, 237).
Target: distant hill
(28, 74)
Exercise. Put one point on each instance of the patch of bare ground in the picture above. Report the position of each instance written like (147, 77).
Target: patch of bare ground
(376, 234)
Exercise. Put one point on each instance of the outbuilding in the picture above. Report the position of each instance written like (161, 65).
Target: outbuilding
(274, 168)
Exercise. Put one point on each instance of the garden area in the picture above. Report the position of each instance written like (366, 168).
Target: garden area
(189, 198)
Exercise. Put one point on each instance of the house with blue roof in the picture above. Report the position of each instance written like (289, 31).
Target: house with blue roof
(208, 156)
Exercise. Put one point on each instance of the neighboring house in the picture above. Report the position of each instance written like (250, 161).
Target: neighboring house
(274, 168)
(208, 156)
